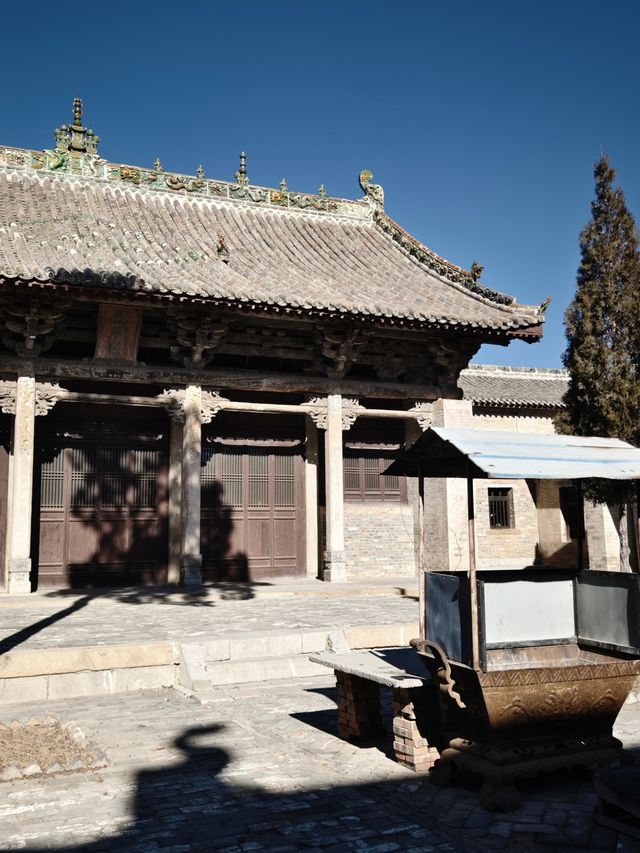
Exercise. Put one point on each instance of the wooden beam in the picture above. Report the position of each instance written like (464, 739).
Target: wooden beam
(229, 405)
(216, 378)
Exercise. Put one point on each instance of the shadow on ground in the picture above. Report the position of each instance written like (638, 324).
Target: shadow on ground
(206, 595)
(187, 806)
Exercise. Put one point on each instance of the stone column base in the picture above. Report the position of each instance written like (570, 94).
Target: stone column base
(358, 707)
(191, 569)
(19, 576)
(334, 568)
(411, 712)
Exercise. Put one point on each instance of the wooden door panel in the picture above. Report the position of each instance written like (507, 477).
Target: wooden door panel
(284, 537)
(103, 502)
(259, 538)
(51, 541)
(83, 541)
(258, 492)
(146, 540)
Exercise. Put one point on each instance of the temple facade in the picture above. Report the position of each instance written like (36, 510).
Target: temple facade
(202, 379)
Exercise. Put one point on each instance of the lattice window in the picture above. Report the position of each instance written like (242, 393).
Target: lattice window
(364, 480)
(144, 471)
(83, 477)
(231, 479)
(285, 480)
(115, 477)
(501, 508)
(208, 477)
(258, 479)
(52, 478)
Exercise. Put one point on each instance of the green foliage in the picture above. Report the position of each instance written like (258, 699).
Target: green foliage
(603, 328)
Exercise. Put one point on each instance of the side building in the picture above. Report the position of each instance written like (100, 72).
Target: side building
(202, 379)
(531, 523)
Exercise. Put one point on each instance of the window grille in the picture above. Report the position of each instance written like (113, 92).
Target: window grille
(52, 478)
(258, 479)
(500, 508)
(285, 480)
(231, 479)
(115, 473)
(208, 477)
(364, 480)
(144, 465)
(83, 477)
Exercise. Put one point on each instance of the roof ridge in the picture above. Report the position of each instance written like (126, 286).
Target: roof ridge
(539, 372)
(467, 279)
(79, 165)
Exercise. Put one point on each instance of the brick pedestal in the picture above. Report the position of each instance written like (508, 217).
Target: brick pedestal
(412, 710)
(358, 707)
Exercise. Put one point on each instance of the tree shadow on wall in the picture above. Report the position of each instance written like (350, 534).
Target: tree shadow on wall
(102, 500)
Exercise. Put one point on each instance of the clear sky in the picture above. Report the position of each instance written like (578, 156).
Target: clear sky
(481, 118)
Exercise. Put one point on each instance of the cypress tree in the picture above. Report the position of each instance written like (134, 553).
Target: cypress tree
(603, 333)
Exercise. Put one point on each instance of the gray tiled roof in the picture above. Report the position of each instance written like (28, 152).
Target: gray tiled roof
(84, 229)
(514, 386)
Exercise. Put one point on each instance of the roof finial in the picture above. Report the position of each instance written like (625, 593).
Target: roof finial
(157, 165)
(476, 271)
(76, 139)
(322, 192)
(373, 193)
(241, 174)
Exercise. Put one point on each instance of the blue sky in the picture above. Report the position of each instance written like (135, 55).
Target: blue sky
(481, 118)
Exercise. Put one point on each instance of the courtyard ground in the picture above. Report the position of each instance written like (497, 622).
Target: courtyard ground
(261, 768)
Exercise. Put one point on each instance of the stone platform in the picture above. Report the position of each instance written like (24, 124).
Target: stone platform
(59, 645)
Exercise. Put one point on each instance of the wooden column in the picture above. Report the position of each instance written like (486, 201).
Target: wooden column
(191, 559)
(311, 496)
(175, 500)
(334, 562)
(19, 545)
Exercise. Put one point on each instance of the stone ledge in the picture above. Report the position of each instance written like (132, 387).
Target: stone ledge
(39, 688)
(37, 662)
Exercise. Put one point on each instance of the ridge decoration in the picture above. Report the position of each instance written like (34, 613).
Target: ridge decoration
(467, 278)
(76, 153)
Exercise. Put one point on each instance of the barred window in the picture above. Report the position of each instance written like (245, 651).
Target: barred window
(570, 511)
(364, 480)
(500, 508)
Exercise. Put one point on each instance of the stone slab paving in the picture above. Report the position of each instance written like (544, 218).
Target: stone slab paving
(141, 616)
(262, 769)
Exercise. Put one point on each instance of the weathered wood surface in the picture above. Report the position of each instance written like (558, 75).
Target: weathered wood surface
(242, 380)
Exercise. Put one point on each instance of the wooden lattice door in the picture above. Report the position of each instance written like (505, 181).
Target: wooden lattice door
(252, 511)
(103, 510)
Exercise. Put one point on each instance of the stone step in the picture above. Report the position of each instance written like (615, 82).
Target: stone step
(55, 673)
(222, 673)
(261, 656)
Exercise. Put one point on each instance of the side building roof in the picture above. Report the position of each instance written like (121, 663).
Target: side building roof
(493, 385)
(67, 216)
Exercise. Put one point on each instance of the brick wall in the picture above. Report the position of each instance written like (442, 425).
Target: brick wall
(513, 547)
(379, 540)
(514, 423)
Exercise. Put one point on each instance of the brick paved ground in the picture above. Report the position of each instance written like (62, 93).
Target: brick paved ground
(142, 616)
(262, 769)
